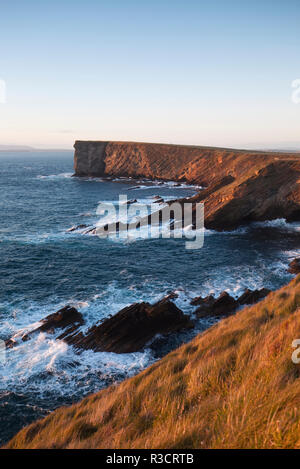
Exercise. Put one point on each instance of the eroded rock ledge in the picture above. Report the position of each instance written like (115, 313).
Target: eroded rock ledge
(132, 328)
(241, 186)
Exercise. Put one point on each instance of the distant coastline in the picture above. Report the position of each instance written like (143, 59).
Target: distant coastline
(25, 148)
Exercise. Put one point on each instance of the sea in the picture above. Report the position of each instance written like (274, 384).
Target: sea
(44, 267)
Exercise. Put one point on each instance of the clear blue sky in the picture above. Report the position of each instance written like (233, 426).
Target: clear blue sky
(199, 72)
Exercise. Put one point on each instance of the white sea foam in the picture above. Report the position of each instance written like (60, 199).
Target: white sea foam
(54, 177)
(160, 185)
(235, 280)
(44, 365)
(279, 223)
(38, 238)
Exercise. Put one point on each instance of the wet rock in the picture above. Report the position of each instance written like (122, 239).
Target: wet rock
(158, 199)
(132, 328)
(226, 304)
(170, 296)
(133, 188)
(249, 297)
(78, 227)
(10, 343)
(200, 301)
(221, 306)
(90, 231)
(66, 318)
(294, 266)
(132, 201)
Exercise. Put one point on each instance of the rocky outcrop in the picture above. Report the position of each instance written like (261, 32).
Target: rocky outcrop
(77, 227)
(134, 326)
(221, 306)
(128, 331)
(157, 199)
(225, 304)
(67, 318)
(294, 266)
(131, 328)
(241, 186)
(250, 297)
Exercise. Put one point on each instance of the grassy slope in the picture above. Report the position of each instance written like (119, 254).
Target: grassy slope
(234, 386)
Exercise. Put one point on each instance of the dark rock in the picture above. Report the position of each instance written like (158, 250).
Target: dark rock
(67, 317)
(130, 202)
(91, 231)
(158, 199)
(131, 328)
(199, 300)
(221, 306)
(294, 266)
(170, 296)
(10, 343)
(226, 304)
(133, 188)
(75, 228)
(249, 297)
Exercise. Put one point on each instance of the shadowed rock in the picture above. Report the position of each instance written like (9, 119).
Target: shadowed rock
(131, 328)
(66, 318)
(75, 228)
(170, 296)
(249, 297)
(294, 266)
(157, 199)
(226, 304)
(221, 306)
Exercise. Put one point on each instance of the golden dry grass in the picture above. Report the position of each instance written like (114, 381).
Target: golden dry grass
(234, 386)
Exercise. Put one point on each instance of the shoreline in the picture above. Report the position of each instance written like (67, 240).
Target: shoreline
(42, 429)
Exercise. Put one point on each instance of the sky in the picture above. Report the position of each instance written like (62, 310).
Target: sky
(199, 72)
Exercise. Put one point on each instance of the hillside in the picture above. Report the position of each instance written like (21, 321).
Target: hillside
(234, 386)
(241, 186)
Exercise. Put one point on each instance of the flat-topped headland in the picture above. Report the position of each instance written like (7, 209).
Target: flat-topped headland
(240, 185)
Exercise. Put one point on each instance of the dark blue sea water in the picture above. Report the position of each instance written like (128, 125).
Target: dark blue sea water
(42, 268)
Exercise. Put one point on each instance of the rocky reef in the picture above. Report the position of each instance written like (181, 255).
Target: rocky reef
(240, 186)
(67, 319)
(294, 266)
(225, 304)
(135, 326)
(132, 327)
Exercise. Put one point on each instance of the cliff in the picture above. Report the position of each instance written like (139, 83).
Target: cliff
(241, 186)
(233, 386)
